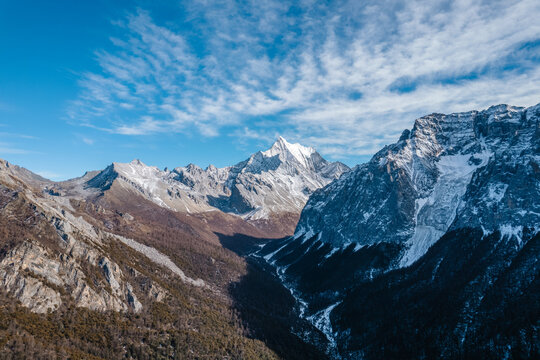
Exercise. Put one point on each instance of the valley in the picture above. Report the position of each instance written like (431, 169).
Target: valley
(429, 250)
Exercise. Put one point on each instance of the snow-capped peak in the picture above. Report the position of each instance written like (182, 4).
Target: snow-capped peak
(137, 162)
(136, 167)
(278, 180)
(299, 152)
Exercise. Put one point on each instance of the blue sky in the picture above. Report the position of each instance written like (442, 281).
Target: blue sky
(83, 84)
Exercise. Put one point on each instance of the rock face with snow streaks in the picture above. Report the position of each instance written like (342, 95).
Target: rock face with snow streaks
(449, 171)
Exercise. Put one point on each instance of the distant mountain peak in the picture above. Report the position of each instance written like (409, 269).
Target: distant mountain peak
(267, 184)
(299, 152)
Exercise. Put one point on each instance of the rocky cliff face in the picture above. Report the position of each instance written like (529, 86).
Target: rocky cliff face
(413, 191)
(57, 254)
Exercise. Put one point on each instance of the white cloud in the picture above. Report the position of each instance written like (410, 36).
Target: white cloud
(329, 74)
(8, 135)
(13, 151)
(7, 148)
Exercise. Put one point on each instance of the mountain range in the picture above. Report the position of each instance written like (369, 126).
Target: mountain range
(268, 189)
(428, 250)
(150, 244)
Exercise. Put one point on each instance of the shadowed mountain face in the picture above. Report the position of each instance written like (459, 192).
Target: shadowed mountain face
(471, 180)
(471, 296)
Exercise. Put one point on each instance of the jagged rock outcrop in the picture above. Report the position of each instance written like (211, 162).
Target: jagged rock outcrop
(71, 261)
(32, 278)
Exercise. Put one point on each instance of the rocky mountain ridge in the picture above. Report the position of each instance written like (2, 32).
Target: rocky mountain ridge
(279, 179)
(38, 273)
(425, 177)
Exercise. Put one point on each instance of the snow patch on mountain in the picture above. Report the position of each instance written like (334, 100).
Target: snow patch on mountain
(160, 259)
(321, 320)
(508, 232)
(435, 213)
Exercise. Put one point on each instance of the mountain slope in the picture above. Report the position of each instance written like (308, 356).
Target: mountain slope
(478, 170)
(107, 275)
(471, 296)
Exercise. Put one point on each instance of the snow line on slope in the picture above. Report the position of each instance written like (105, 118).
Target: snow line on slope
(321, 319)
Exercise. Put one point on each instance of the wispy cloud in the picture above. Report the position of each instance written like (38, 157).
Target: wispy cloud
(13, 151)
(4, 134)
(12, 143)
(345, 76)
(10, 149)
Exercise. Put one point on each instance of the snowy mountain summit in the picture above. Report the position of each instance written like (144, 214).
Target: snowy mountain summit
(268, 186)
(278, 180)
